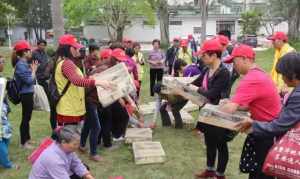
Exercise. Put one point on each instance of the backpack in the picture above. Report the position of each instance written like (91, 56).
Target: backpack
(13, 92)
(54, 93)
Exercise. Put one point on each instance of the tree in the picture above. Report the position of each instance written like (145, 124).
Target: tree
(288, 10)
(204, 16)
(5, 9)
(35, 14)
(57, 19)
(250, 22)
(164, 22)
(116, 15)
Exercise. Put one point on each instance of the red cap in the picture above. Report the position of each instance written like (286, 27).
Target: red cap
(119, 54)
(241, 51)
(223, 39)
(190, 36)
(184, 43)
(22, 45)
(105, 53)
(176, 39)
(210, 45)
(278, 36)
(71, 40)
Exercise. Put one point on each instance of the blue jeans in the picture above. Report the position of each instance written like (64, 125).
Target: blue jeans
(91, 126)
(4, 160)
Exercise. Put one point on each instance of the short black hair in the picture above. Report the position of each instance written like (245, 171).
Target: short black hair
(156, 41)
(218, 53)
(93, 47)
(226, 33)
(289, 65)
(41, 41)
(129, 52)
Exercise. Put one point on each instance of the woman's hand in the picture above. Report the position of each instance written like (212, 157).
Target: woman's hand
(105, 84)
(88, 176)
(34, 66)
(245, 125)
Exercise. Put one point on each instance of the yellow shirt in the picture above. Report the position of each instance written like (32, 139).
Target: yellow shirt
(139, 59)
(187, 57)
(278, 54)
(72, 103)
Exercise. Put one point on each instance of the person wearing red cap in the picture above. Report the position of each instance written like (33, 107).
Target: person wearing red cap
(172, 54)
(25, 78)
(213, 83)
(257, 93)
(185, 53)
(69, 78)
(280, 43)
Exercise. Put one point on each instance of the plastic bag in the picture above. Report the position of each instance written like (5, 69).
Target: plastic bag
(40, 99)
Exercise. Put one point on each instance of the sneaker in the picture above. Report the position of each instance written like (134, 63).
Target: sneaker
(206, 174)
(113, 147)
(118, 139)
(96, 158)
(82, 150)
(27, 146)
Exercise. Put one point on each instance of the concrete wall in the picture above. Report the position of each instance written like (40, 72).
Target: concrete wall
(146, 33)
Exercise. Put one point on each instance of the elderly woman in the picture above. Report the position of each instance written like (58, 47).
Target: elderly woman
(59, 160)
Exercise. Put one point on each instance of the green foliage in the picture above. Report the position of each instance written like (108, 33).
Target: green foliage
(115, 14)
(5, 9)
(250, 22)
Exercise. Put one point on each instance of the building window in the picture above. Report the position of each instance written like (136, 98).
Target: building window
(226, 25)
(175, 22)
(197, 30)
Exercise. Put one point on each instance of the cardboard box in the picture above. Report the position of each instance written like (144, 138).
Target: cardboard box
(210, 114)
(138, 134)
(119, 75)
(148, 153)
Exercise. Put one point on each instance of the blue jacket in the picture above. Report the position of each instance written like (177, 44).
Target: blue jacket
(23, 76)
(288, 118)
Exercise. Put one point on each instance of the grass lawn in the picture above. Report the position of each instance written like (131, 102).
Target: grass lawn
(185, 151)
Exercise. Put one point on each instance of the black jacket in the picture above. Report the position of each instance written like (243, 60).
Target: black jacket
(171, 55)
(218, 84)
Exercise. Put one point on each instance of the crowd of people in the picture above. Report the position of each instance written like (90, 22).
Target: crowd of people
(76, 114)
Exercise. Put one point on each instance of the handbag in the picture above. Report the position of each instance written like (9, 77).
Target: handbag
(40, 99)
(283, 159)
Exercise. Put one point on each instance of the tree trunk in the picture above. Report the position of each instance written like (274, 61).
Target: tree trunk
(164, 22)
(119, 33)
(204, 15)
(294, 22)
(57, 19)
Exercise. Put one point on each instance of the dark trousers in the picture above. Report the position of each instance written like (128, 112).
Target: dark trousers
(156, 75)
(216, 145)
(120, 120)
(170, 69)
(45, 86)
(27, 107)
(175, 108)
(91, 127)
(106, 124)
(262, 147)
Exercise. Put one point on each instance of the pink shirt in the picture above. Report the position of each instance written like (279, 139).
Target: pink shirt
(257, 91)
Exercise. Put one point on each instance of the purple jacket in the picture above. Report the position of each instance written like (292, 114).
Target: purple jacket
(54, 163)
(191, 70)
